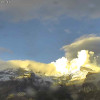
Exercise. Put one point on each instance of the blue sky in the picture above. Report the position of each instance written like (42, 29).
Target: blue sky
(37, 30)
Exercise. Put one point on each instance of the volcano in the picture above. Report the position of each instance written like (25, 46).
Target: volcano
(20, 84)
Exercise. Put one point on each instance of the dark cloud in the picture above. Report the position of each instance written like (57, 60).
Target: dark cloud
(49, 9)
(90, 42)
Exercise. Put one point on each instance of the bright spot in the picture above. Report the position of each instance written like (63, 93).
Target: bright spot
(61, 65)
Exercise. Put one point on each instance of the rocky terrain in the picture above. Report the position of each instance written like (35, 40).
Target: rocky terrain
(23, 85)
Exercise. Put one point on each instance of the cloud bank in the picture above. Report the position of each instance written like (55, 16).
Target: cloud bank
(36, 67)
(49, 9)
(85, 51)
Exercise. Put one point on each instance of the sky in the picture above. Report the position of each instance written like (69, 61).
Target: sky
(38, 29)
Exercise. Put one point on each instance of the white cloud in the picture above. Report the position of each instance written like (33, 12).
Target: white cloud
(50, 9)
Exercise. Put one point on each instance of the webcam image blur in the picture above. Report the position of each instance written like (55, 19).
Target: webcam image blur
(49, 50)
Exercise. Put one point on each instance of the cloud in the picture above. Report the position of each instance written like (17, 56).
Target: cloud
(5, 65)
(47, 69)
(4, 50)
(49, 9)
(37, 67)
(67, 31)
(81, 52)
(90, 42)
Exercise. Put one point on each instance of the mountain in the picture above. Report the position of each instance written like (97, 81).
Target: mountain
(20, 84)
